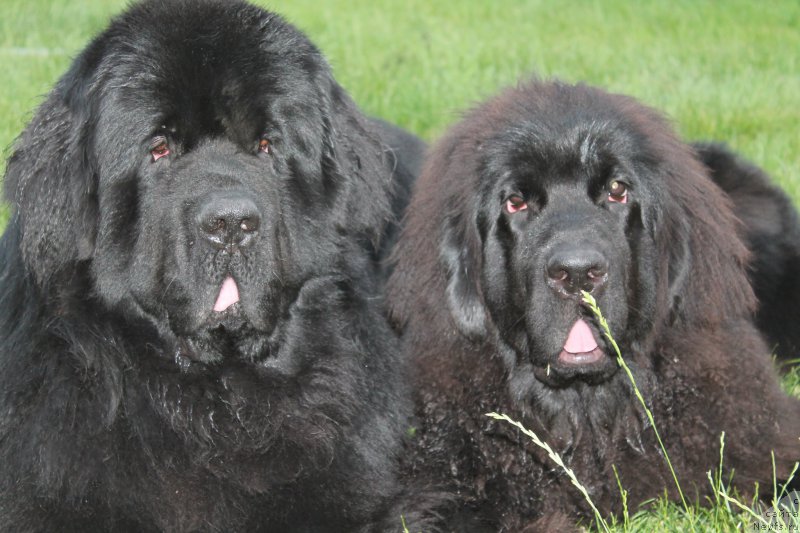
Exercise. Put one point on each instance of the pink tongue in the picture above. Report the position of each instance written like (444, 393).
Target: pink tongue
(580, 339)
(228, 295)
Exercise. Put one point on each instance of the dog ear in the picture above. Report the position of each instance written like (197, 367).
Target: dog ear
(459, 255)
(675, 245)
(49, 181)
(437, 260)
(707, 277)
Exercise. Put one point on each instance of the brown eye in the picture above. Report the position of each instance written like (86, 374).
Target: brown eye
(159, 149)
(516, 203)
(617, 192)
(263, 146)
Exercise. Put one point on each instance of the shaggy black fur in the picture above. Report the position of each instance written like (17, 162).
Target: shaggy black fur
(540, 192)
(772, 232)
(190, 143)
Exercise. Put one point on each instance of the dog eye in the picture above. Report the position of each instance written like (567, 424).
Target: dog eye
(516, 203)
(617, 192)
(159, 148)
(263, 146)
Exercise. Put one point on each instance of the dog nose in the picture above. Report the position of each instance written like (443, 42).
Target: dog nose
(573, 268)
(229, 221)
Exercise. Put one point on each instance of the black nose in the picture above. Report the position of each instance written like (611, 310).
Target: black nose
(572, 268)
(229, 220)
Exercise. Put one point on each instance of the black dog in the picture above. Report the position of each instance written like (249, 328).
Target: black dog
(772, 232)
(543, 192)
(190, 335)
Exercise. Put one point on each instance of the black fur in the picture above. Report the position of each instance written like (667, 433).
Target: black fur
(126, 404)
(771, 230)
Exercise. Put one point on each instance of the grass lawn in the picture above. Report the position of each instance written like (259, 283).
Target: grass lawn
(727, 70)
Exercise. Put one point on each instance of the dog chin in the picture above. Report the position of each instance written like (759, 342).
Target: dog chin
(225, 338)
(567, 369)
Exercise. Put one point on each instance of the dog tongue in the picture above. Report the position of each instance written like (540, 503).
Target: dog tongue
(580, 339)
(228, 295)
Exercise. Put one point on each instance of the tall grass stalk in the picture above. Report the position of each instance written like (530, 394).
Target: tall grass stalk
(589, 300)
(729, 499)
(557, 460)
(721, 498)
(717, 484)
(626, 518)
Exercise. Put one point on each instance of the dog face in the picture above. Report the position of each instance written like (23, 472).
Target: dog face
(191, 166)
(571, 190)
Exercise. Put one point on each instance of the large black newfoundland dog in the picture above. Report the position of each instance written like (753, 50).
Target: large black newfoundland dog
(547, 190)
(190, 337)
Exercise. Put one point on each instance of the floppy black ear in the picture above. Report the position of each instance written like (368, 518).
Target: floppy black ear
(49, 181)
(707, 259)
(461, 260)
(677, 248)
(438, 260)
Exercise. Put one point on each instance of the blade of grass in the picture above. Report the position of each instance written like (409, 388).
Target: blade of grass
(626, 519)
(592, 304)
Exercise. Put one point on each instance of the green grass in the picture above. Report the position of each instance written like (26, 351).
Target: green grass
(727, 70)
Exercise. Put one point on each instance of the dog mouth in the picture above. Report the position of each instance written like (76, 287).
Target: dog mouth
(226, 332)
(581, 348)
(583, 357)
